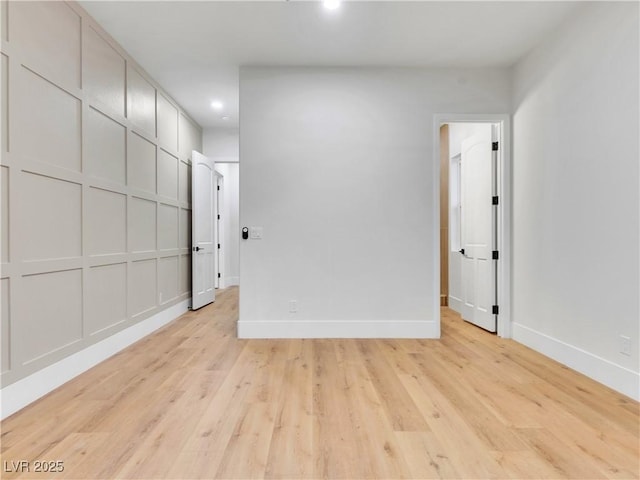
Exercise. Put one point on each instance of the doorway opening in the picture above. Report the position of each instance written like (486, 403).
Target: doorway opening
(474, 200)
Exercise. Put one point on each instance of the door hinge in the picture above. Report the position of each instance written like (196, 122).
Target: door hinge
(218, 245)
(494, 146)
(495, 310)
(218, 217)
(495, 200)
(219, 185)
(219, 276)
(494, 255)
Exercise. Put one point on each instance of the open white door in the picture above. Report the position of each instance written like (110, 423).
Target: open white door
(203, 250)
(477, 230)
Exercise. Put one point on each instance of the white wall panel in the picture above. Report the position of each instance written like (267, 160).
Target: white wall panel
(105, 148)
(104, 72)
(81, 188)
(141, 102)
(141, 163)
(106, 222)
(5, 321)
(167, 175)
(56, 126)
(4, 98)
(167, 227)
(106, 297)
(190, 137)
(4, 221)
(185, 228)
(185, 273)
(49, 34)
(52, 314)
(184, 182)
(51, 219)
(167, 124)
(168, 278)
(142, 225)
(4, 20)
(142, 286)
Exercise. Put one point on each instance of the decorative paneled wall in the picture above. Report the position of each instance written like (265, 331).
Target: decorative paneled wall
(95, 178)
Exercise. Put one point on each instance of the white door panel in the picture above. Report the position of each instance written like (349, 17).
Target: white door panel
(203, 184)
(478, 269)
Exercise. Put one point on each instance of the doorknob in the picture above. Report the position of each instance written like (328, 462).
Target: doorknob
(462, 251)
(197, 249)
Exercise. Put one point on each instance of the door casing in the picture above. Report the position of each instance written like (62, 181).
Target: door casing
(503, 214)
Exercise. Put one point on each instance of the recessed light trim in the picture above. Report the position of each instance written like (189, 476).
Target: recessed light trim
(226, 117)
(331, 4)
(217, 105)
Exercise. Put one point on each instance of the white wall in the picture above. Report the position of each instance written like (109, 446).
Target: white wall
(222, 145)
(95, 198)
(337, 167)
(576, 202)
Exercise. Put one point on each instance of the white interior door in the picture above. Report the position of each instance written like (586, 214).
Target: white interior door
(477, 230)
(204, 249)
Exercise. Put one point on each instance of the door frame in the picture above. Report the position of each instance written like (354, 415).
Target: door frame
(504, 209)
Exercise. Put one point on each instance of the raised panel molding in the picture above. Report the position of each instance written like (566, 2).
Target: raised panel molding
(51, 218)
(142, 287)
(4, 98)
(105, 147)
(49, 36)
(106, 297)
(52, 308)
(141, 100)
(4, 213)
(167, 227)
(168, 279)
(56, 126)
(87, 198)
(142, 225)
(5, 321)
(167, 175)
(103, 72)
(167, 124)
(106, 237)
(141, 163)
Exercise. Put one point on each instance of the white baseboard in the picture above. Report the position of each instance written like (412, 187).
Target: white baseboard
(455, 304)
(231, 281)
(614, 376)
(338, 329)
(29, 389)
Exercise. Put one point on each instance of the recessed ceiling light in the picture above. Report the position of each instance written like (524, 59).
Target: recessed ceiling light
(217, 105)
(226, 117)
(331, 4)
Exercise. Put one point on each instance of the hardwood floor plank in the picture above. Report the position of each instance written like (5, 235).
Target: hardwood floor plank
(192, 401)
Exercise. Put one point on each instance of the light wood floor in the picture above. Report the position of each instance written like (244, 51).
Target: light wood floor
(192, 401)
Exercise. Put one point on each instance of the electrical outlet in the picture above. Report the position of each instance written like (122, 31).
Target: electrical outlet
(625, 345)
(293, 306)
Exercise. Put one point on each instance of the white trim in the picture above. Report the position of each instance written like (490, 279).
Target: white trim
(339, 329)
(614, 376)
(455, 304)
(504, 220)
(18, 395)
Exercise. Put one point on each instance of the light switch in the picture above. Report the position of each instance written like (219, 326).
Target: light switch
(256, 233)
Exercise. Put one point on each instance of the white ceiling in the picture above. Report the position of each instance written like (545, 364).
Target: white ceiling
(194, 49)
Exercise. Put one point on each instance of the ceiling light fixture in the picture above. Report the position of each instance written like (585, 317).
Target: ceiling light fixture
(331, 4)
(217, 105)
(226, 117)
